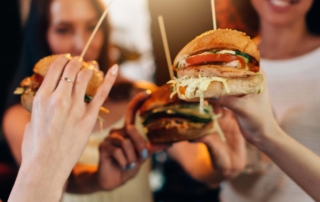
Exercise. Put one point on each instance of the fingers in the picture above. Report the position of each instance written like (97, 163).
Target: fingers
(154, 148)
(107, 150)
(127, 147)
(54, 73)
(139, 142)
(81, 83)
(103, 90)
(66, 83)
(134, 105)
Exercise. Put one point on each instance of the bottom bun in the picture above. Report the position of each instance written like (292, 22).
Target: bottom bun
(27, 100)
(237, 86)
(162, 133)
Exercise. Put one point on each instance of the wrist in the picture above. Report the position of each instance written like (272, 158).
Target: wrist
(34, 184)
(41, 172)
(270, 134)
(96, 182)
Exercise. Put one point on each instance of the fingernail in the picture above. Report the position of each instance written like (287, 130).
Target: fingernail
(114, 70)
(68, 56)
(132, 165)
(144, 153)
(124, 168)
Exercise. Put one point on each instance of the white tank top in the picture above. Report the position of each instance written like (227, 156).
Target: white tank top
(294, 87)
(135, 190)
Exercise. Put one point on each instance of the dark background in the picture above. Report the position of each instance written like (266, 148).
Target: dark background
(186, 19)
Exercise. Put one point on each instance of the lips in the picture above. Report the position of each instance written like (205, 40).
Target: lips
(283, 3)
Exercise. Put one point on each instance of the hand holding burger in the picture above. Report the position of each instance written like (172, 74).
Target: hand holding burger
(30, 85)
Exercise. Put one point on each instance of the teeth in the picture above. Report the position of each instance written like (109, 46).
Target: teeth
(280, 3)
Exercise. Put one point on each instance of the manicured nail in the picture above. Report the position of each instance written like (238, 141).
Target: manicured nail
(124, 168)
(114, 70)
(132, 165)
(144, 153)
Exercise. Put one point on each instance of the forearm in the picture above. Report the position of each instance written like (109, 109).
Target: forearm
(36, 184)
(196, 161)
(301, 164)
(83, 180)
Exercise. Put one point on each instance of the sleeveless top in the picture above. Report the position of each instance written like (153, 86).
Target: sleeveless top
(294, 88)
(135, 190)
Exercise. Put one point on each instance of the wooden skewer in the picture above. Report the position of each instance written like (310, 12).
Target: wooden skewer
(103, 16)
(213, 9)
(165, 45)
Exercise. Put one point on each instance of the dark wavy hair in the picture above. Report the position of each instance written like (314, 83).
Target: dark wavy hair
(35, 44)
(251, 17)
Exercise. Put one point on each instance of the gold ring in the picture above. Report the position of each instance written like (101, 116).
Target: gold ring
(67, 79)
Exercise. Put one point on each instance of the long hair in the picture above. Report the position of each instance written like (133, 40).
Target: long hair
(35, 45)
(313, 17)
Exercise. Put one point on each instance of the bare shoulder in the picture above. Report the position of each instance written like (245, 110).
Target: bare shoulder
(14, 118)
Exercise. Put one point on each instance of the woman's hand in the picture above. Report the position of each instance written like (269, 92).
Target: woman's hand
(124, 150)
(228, 157)
(215, 160)
(254, 114)
(60, 126)
(120, 158)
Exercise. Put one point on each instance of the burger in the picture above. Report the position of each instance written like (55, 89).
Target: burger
(30, 85)
(217, 63)
(168, 120)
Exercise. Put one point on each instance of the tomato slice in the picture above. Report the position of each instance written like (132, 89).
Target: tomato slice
(182, 90)
(38, 78)
(209, 58)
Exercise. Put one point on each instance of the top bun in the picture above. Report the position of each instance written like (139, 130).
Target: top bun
(159, 98)
(42, 65)
(219, 39)
(96, 80)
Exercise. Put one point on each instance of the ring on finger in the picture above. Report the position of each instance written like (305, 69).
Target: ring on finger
(67, 79)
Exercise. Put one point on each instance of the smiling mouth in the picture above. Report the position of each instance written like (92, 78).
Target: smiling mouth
(283, 3)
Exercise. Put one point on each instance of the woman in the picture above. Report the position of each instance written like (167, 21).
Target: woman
(56, 27)
(297, 161)
(290, 41)
(45, 168)
(66, 29)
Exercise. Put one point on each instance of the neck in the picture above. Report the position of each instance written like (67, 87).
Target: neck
(281, 42)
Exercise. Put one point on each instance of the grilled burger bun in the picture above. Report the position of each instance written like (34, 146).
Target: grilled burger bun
(216, 63)
(29, 86)
(170, 120)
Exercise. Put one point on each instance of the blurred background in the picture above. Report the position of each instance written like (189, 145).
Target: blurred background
(136, 46)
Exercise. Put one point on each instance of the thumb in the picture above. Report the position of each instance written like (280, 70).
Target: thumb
(154, 148)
